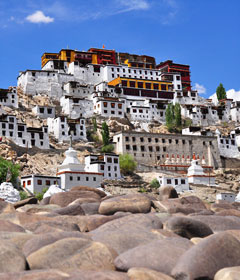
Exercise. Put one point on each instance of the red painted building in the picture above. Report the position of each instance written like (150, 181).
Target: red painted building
(104, 56)
(169, 66)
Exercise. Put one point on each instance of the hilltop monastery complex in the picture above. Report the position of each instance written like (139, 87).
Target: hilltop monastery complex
(119, 86)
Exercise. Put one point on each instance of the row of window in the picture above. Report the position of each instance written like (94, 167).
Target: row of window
(113, 105)
(78, 178)
(39, 182)
(157, 140)
(137, 71)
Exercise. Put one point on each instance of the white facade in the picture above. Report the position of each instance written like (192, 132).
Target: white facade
(36, 183)
(72, 173)
(22, 135)
(62, 128)
(109, 107)
(77, 89)
(227, 145)
(9, 97)
(44, 112)
(107, 164)
(197, 176)
(76, 107)
(60, 65)
(34, 82)
(229, 197)
(180, 184)
(235, 111)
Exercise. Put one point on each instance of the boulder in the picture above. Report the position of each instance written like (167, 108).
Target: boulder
(229, 212)
(83, 200)
(228, 273)
(90, 208)
(128, 232)
(12, 259)
(36, 208)
(219, 223)
(64, 198)
(166, 192)
(98, 275)
(41, 240)
(142, 273)
(9, 193)
(29, 200)
(6, 207)
(159, 255)
(89, 189)
(10, 227)
(211, 254)
(45, 200)
(187, 227)
(48, 274)
(17, 238)
(71, 210)
(134, 203)
(69, 254)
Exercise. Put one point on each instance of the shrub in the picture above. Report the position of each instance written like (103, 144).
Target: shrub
(127, 164)
(40, 195)
(154, 184)
(7, 166)
(23, 195)
(107, 149)
(105, 134)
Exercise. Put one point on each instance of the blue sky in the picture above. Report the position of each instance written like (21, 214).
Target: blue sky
(201, 33)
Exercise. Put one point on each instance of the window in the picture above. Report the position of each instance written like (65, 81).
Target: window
(176, 141)
(149, 140)
(119, 106)
(49, 111)
(169, 181)
(148, 85)
(182, 181)
(183, 141)
(132, 84)
(142, 148)
(102, 167)
(126, 138)
(140, 84)
(39, 182)
(163, 140)
(157, 148)
(169, 141)
(79, 178)
(105, 111)
(29, 182)
(10, 126)
(94, 179)
(141, 139)
(124, 83)
(156, 86)
(116, 160)
(20, 134)
(133, 139)
(112, 105)
(113, 112)
(178, 78)
(105, 104)
(134, 147)
(163, 87)
(150, 148)
(41, 110)
(109, 168)
(48, 183)
(87, 178)
(127, 147)
(3, 125)
(11, 119)
(109, 159)
(164, 149)
(71, 178)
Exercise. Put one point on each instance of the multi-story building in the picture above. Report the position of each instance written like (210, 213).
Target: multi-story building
(22, 135)
(169, 66)
(134, 60)
(9, 97)
(44, 112)
(108, 164)
(155, 149)
(109, 107)
(62, 127)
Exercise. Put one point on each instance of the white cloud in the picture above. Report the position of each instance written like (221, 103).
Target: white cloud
(200, 88)
(131, 5)
(39, 17)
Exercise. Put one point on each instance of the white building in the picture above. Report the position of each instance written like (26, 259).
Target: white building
(62, 128)
(22, 135)
(196, 130)
(235, 111)
(178, 182)
(229, 197)
(197, 176)
(109, 107)
(77, 89)
(49, 82)
(107, 164)
(36, 183)
(9, 97)
(44, 112)
(227, 145)
(72, 173)
(76, 107)
(56, 65)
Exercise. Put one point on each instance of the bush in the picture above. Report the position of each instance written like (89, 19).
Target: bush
(40, 195)
(107, 149)
(105, 134)
(154, 184)
(23, 195)
(92, 136)
(7, 166)
(127, 164)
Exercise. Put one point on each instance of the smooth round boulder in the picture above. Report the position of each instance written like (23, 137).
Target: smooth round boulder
(70, 210)
(228, 273)
(167, 192)
(10, 227)
(29, 200)
(187, 227)
(11, 257)
(204, 259)
(6, 207)
(159, 255)
(90, 208)
(69, 254)
(64, 198)
(142, 273)
(133, 203)
(89, 189)
(97, 275)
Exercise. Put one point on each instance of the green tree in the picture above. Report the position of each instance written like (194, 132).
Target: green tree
(94, 121)
(221, 92)
(107, 149)
(127, 164)
(169, 116)
(154, 184)
(177, 115)
(105, 134)
(5, 166)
